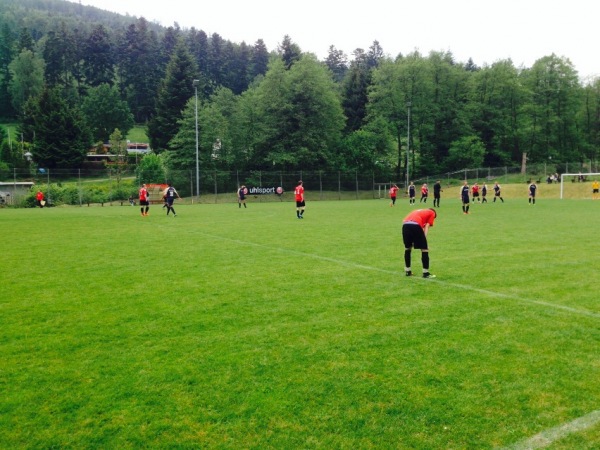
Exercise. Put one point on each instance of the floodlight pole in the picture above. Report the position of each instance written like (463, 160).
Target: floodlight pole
(408, 105)
(195, 83)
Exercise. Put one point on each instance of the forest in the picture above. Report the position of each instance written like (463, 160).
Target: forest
(75, 77)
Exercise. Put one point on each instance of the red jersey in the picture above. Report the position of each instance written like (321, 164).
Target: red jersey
(299, 193)
(475, 189)
(424, 190)
(422, 217)
(393, 191)
(143, 194)
(39, 196)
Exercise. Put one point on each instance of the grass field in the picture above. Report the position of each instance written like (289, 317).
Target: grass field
(248, 328)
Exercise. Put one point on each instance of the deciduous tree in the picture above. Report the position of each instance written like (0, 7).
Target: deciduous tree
(105, 111)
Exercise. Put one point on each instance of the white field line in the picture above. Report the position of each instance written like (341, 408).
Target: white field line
(547, 437)
(486, 292)
(540, 440)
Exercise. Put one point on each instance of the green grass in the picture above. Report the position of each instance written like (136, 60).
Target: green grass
(138, 134)
(228, 328)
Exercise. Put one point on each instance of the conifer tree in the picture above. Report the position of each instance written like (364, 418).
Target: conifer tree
(175, 90)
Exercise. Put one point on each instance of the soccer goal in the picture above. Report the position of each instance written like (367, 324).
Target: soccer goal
(577, 178)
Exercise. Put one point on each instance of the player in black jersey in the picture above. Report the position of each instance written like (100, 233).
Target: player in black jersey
(464, 195)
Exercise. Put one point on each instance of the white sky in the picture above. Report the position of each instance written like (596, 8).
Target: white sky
(484, 30)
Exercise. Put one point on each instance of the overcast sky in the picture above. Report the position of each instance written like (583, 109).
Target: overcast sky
(484, 30)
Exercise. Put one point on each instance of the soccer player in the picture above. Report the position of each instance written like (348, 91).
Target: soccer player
(393, 194)
(411, 193)
(497, 192)
(595, 189)
(464, 196)
(299, 194)
(40, 198)
(242, 196)
(169, 194)
(144, 200)
(532, 189)
(437, 190)
(424, 193)
(415, 227)
(475, 193)
(484, 193)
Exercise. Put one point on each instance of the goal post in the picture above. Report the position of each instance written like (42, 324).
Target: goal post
(576, 178)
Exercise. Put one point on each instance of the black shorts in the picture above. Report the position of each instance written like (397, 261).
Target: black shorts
(414, 236)
(594, 191)
(465, 200)
(170, 201)
(144, 203)
(300, 204)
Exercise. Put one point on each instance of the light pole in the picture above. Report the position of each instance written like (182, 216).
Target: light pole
(408, 105)
(195, 83)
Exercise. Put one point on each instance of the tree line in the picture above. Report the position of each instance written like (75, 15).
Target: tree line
(80, 77)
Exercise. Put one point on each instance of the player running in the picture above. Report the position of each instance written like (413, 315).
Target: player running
(393, 194)
(497, 192)
(169, 194)
(424, 193)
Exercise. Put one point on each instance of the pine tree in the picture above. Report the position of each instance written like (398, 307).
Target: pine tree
(98, 60)
(175, 90)
(61, 136)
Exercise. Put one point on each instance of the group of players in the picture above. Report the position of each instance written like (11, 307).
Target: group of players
(168, 197)
(416, 224)
(475, 191)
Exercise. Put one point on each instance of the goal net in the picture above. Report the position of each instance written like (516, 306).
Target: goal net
(580, 183)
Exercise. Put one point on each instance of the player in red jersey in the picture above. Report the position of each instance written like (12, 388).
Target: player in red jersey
(424, 193)
(40, 199)
(414, 234)
(475, 193)
(300, 205)
(393, 194)
(144, 200)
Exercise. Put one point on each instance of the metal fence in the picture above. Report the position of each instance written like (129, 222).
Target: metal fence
(109, 185)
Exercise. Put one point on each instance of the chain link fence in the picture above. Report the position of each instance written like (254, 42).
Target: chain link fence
(118, 185)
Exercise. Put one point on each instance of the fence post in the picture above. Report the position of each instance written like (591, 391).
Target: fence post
(373, 179)
(110, 187)
(80, 199)
(192, 187)
(339, 185)
(320, 184)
